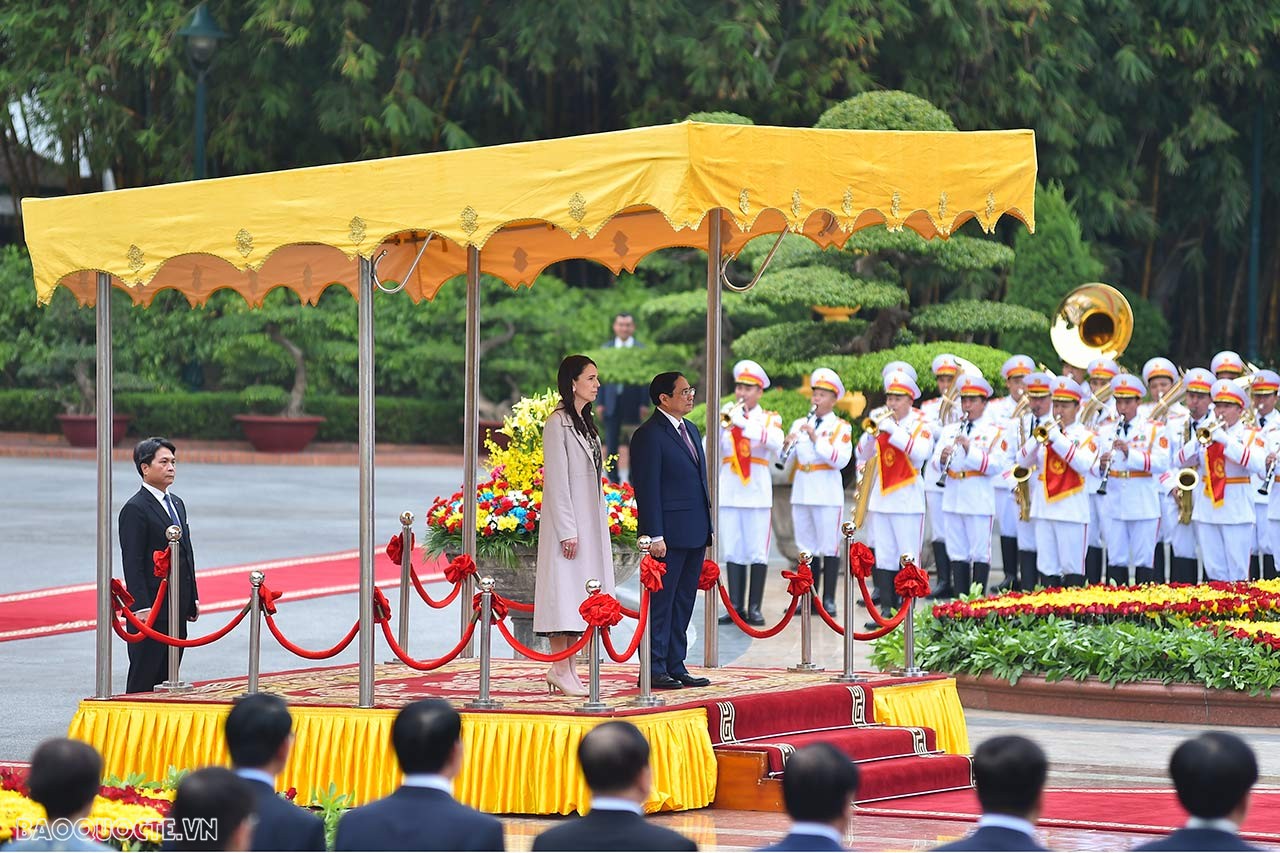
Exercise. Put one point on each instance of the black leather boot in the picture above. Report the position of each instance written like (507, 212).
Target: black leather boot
(830, 583)
(961, 577)
(1144, 575)
(1009, 556)
(1047, 581)
(1119, 575)
(1183, 570)
(981, 576)
(759, 571)
(1157, 569)
(737, 577)
(1268, 566)
(1027, 574)
(890, 602)
(942, 567)
(1073, 580)
(1093, 565)
(1255, 567)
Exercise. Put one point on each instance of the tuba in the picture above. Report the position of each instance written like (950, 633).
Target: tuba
(1092, 321)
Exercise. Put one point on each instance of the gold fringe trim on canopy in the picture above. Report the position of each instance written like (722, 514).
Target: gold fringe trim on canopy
(935, 704)
(515, 763)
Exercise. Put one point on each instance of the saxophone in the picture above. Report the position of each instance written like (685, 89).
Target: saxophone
(1187, 481)
(1021, 474)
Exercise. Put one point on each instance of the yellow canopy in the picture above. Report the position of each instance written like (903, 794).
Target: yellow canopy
(610, 197)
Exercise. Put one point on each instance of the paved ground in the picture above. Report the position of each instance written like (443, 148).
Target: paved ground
(245, 513)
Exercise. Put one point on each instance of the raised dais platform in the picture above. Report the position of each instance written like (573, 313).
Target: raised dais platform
(521, 759)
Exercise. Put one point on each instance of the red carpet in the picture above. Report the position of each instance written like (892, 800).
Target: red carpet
(1152, 810)
(66, 609)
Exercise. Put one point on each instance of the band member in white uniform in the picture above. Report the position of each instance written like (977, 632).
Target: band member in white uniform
(1227, 459)
(1184, 566)
(823, 446)
(1015, 371)
(1100, 373)
(1262, 562)
(945, 369)
(894, 457)
(1160, 376)
(968, 457)
(1227, 365)
(1134, 453)
(1040, 410)
(747, 449)
(1059, 503)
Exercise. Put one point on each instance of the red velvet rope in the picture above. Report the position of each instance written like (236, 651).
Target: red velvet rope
(308, 653)
(747, 629)
(422, 592)
(518, 605)
(539, 656)
(886, 625)
(872, 609)
(800, 581)
(395, 547)
(124, 601)
(427, 665)
(145, 630)
(160, 563)
(635, 641)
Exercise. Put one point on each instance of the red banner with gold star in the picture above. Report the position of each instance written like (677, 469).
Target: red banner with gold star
(896, 469)
(1215, 476)
(741, 459)
(1060, 479)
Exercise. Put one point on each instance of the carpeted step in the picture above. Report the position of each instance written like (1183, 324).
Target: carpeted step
(767, 714)
(862, 743)
(919, 774)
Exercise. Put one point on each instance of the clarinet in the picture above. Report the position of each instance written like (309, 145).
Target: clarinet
(1269, 478)
(1106, 469)
(946, 466)
(793, 440)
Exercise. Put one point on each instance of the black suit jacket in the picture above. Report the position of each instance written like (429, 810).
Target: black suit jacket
(418, 819)
(603, 829)
(1199, 839)
(143, 522)
(994, 838)
(803, 841)
(672, 499)
(622, 402)
(282, 825)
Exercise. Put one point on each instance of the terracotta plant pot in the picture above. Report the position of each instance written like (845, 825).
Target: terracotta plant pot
(82, 430)
(277, 434)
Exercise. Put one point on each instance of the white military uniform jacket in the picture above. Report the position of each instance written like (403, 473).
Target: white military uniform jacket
(931, 411)
(1174, 429)
(764, 431)
(914, 437)
(1000, 411)
(970, 475)
(818, 463)
(1245, 455)
(1078, 448)
(1133, 490)
(1268, 425)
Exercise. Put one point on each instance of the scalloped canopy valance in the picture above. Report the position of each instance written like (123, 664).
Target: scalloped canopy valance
(610, 197)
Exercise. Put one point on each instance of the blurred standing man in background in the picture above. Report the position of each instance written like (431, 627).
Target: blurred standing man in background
(621, 405)
(939, 411)
(1015, 372)
(1160, 376)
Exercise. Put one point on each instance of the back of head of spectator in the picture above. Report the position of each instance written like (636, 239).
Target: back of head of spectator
(64, 778)
(819, 785)
(427, 738)
(259, 732)
(1213, 774)
(1009, 772)
(213, 809)
(615, 761)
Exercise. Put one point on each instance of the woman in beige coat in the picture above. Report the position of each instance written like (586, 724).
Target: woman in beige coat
(573, 534)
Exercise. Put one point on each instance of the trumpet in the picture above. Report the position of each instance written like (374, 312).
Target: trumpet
(946, 466)
(1204, 434)
(872, 422)
(790, 444)
(727, 412)
(1188, 480)
(1040, 432)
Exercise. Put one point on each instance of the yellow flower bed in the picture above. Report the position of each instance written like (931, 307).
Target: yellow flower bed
(1152, 600)
(110, 817)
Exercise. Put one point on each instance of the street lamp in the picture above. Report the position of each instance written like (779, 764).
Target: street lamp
(202, 35)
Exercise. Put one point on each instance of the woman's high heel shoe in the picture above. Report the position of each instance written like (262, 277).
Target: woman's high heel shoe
(554, 684)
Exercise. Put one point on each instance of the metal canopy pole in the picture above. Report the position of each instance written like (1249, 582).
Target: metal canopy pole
(106, 417)
(470, 437)
(364, 313)
(711, 381)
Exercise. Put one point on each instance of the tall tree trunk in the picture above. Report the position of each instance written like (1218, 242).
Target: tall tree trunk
(299, 391)
(1155, 217)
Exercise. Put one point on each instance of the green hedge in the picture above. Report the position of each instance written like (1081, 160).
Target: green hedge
(211, 415)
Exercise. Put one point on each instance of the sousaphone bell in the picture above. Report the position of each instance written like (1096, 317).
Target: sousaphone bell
(1092, 321)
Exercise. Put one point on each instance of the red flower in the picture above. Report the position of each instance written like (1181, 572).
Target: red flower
(615, 529)
(529, 525)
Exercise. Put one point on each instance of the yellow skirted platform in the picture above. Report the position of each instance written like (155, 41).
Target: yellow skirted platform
(934, 704)
(350, 747)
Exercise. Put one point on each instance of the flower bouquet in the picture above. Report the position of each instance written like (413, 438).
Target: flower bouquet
(510, 499)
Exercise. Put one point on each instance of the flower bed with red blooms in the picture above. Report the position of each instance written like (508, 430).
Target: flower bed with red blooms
(1259, 633)
(122, 814)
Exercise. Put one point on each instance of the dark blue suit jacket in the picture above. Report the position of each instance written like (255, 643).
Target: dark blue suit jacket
(282, 825)
(803, 841)
(1199, 839)
(994, 838)
(672, 499)
(622, 402)
(603, 829)
(418, 819)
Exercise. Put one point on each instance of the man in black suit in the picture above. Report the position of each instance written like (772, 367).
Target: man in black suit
(673, 507)
(615, 761)
(422, 814)
(64, 777)
(819, 783)
(1009, 772)
(143, 522)
(213, 809)
(620, 404)
(259, 732)
(1213, 774)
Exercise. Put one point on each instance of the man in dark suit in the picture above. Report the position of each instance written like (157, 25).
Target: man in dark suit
(1009, 772)
(1213, 774)
(673, 507)
(620, 404)
(143, 522)
(259, 732)
(213, 809)
(615, 762)
(422, 813)
(819, 783)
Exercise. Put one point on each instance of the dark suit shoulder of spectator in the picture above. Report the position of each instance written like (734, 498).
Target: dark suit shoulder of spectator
(798, 841)
(418, 819)
(611, 830)
(1199, 839)
(994, 838)
(282, 825)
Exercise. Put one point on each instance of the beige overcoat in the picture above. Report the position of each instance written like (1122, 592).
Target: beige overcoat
(573, 506)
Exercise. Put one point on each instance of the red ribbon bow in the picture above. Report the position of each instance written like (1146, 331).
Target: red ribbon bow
(911, 582)
(459, 568)
(601, 610)
(381, 607)
(800, 581)
(861, 560)
(120, 593)
(268, 598)
(160, 560)
(651, 572)
(395, 546)
(709, 576)
(498, 607)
